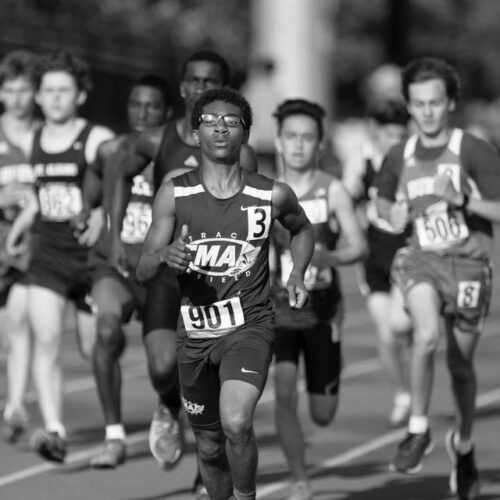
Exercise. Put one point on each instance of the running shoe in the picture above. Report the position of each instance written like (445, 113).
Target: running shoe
(464, 477)
(301, 490)
(15, 423)
(166, 438)
(49, 445)
(111, 455)
(408, 459)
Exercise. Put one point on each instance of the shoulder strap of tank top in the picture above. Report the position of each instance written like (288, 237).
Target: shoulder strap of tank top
(84, 133)
(456, 141)
(410, 146)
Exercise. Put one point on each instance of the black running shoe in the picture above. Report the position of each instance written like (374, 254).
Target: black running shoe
(464, 477)
(408, 458)
(49, 445)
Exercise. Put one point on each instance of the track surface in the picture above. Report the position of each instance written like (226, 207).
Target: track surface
(348, 460)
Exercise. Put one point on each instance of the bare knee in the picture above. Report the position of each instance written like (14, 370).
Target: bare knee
(425, 340)
(237, 426)
(209, 449)
(110, 337)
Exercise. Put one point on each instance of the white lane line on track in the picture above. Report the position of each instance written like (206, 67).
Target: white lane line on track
(353, 370)
(350, 371)
(392, 437)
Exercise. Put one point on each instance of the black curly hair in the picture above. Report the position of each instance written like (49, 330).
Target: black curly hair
(223, 94)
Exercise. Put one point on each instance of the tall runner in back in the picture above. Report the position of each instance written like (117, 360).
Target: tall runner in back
(17, 128)
(170, 148)
(211, 226)
(63, 148)
(447, 183)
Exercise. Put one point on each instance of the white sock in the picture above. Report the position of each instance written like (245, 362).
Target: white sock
(418, 424)
(238, 495)
(57, 427)
(115, 431)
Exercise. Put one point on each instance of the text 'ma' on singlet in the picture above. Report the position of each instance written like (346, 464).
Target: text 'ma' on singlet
(227, 284)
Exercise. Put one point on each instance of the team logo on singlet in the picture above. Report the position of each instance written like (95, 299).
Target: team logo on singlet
(222, 256)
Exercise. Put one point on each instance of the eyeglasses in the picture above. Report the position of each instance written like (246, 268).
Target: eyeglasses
(212, 120)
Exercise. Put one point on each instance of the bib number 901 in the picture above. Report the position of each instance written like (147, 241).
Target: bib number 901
(213, 320)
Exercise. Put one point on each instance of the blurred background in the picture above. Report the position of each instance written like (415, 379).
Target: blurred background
(341, 53)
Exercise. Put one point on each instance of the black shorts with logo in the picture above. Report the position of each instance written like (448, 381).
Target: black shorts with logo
(205, 364)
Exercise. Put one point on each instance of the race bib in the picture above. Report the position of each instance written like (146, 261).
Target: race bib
(136, 222)
(215, 320)
(60, 201)
(441, 230)
(314, 278)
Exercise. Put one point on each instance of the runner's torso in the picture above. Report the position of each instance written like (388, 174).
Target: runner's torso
(229, 243)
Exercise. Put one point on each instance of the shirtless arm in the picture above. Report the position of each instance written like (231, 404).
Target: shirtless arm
(292, 217)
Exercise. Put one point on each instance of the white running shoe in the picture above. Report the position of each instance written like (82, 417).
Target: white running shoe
(166, 438)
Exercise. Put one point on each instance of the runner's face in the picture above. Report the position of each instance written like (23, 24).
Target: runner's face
(298, 141)
(18, 97)
(221, 143)
(59, 96)
(430, 106)
(146, 108)
(200, 76)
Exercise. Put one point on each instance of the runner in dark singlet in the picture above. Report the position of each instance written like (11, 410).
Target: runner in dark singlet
(171, 147)
(62, 150)
(116, 296)
(212, 227)
(314, 332)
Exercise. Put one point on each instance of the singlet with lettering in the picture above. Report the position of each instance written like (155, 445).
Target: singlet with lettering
(173, 153)
(227, 283)
(438, 226)
(15, 169)
(58, 180)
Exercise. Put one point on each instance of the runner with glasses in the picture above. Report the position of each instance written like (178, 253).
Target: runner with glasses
(211, 227)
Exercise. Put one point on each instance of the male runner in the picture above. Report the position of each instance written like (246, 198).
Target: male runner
(169, 148)
(386, 126)
(63, 148)
(17, 128)
(315, 330)
(212, 227)
(114, 295)
(447, 183)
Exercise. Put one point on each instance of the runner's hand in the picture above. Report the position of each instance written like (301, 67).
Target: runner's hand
(117, 257)
(297, 292)
(444, 187)
(177, 255)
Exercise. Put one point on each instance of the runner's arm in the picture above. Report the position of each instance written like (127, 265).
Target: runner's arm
(293, 218)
